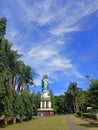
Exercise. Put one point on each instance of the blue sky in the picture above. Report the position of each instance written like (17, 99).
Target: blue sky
(56, 37)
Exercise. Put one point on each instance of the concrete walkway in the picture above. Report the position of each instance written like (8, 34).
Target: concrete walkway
(72, 125)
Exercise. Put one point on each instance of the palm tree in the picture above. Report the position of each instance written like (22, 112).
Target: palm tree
(26, 75)
(73, 90)
(3, 26)
(93, 95)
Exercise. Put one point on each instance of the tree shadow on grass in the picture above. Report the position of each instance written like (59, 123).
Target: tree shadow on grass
(89, 125)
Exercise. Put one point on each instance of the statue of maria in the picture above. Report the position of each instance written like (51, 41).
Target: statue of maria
(45, 88)
(45, 82)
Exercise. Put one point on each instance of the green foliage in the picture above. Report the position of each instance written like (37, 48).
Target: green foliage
(74, 91)
(68, 103)
(52, 99)
(73, 100)
(59, 104)
(21, 107)
(36, 102)
(4, 67)
(3, 26)
(16, 102)
(83, 100)
(5, 101)
(25, 72)
(22, 104)
(93, 95)
(28, 104)
(13, 103)
(79, 113)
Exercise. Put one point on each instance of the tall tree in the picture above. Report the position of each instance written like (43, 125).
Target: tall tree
(68, 103)
(16, 105)
(83, 100)
(36, 101)
(52, 99)
(11, 102)
(73, 90)
(28, 103)
(5, 102)
(3, 26)
(60, 104)
(93, 94)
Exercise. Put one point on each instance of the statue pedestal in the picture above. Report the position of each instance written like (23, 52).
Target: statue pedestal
(45, 112)
(45, 105)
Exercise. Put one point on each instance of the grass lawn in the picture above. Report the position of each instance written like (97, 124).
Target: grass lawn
(45, 123)
(53, 123)
(89, 124)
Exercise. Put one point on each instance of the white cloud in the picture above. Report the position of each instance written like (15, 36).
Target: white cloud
(42, 52)
(61, 30)
(61, 20)
(11, 34)
(74, 12)
(38, 81)
(64, 19)
(46, 58)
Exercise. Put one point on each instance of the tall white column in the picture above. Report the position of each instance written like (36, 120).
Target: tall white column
(44, 104)
(41, 104)
(49, 104)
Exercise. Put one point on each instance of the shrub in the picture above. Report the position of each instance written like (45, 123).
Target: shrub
(79, 113)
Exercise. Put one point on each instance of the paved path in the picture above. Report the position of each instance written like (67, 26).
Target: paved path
(72, 125)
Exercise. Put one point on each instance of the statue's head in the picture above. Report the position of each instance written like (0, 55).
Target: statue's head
(45, 76)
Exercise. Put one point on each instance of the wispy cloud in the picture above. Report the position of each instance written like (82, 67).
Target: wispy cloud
(72, 15)
(46, 58)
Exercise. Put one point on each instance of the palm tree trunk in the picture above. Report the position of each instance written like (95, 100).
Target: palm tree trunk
(14, 120)
(5, 121)
(76, 104)
(21, 119)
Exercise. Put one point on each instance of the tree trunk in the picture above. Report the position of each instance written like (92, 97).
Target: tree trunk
(5, 121)
(21, 119)
(76, 104)
(14, 120)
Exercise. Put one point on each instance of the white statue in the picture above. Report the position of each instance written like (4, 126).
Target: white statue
(45, 88)
(45, 83)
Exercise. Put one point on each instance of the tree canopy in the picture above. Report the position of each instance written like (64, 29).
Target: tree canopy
(13, 101)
